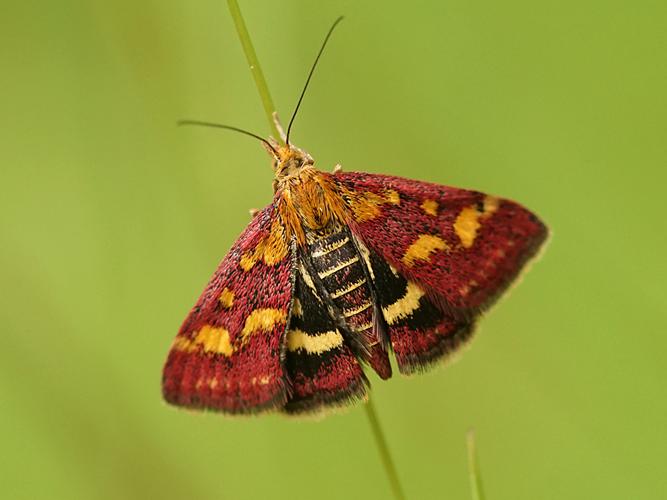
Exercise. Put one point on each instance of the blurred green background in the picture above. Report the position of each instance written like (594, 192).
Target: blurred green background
(112, 221)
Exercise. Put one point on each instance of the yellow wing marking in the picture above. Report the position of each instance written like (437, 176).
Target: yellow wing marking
(262, 320)
(466, 226)
(392, 197)
(308, 280)
(404, 306)
(213, 382)
(430, 207)
(313, 344)
(366, 206)
(226, 298)
(491, 204)
(468, 221)
(271, 249)
(422, 249)
(296, 308)
(216, 340)
(183, 344)
(211, 339)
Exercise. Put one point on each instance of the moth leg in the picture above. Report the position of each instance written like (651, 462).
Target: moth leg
(337, 168)
(253, 212)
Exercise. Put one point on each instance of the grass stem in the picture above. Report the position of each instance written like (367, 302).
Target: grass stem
(383, 450)
(473, 468)
(255, 68)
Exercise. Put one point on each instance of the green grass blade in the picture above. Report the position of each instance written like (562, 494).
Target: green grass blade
(255, 68)
(477, 491)
(383, 450)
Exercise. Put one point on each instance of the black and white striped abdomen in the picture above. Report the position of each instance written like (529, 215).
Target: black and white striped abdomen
(341, 270)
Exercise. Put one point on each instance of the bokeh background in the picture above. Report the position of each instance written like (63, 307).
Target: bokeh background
(112, 220)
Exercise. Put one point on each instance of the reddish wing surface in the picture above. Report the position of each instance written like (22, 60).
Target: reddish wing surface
(439, 256)
(227, 355)
(463, 247)
(420, 332)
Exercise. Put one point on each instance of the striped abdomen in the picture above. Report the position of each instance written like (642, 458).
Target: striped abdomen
(342, 272)
(340, 269)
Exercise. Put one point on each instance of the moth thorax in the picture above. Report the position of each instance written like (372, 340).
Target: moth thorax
(310, 199)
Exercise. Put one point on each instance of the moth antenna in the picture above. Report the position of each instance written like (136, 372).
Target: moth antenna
(312, 70)
(228, 127)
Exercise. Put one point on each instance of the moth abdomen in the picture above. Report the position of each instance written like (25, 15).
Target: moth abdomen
(341, 270)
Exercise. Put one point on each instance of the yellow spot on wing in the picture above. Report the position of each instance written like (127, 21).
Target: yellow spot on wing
(466, 226)
(215, 340)
(271, 249)
(491, 204)
(275, 247)
(467, 223)
(308, 280)
(366, 206)
(263, 380)
(248, 260)
(296, 308)
(313, 344)
(226, 298)
(183, 344)
(422, 248)
(211, 339)
(262, 320)
(404, 306)
(430, 207)
(392, 197)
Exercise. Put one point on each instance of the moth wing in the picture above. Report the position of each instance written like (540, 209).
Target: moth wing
(464, 248)
(420, 332)
(228, 353)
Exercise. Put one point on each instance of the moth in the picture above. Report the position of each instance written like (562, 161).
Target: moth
(337, 273)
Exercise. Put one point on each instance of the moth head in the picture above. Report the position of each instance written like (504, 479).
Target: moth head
(288, 160)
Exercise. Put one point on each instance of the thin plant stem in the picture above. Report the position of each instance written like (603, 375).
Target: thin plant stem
(383, 449)
(473, 468)
(255, 68)
(269, 109)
